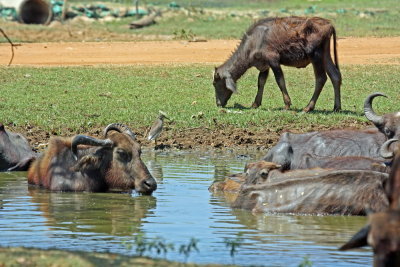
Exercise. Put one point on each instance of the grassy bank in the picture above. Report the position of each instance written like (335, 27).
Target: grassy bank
(230, 19)
(76, 99)
(37, 257)
(214, 20)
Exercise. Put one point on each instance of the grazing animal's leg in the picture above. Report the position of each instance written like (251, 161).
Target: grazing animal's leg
(336, 78)
(262, 78)
(320, 78)
(280, 80)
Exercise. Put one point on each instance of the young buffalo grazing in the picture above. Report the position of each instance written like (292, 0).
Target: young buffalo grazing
(289, 41)
(311, 191)
(84, 163)
(15, 152)
(382, 232)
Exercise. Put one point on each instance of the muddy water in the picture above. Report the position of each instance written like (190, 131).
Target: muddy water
(180, 209)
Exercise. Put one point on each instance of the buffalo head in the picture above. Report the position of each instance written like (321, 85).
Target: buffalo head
(15, 152)
(224, 86)
(85, 163)
(257, 172)
(118, 159)
(388, 124)
(382, 232)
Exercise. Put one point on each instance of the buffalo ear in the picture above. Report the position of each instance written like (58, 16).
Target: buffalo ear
(216, 74)
(248, 166)
(87, 163)
(230, 84)
(358, 240)
(257, 55)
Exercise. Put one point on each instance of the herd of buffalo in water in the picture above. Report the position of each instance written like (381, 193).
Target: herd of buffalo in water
(342, 172)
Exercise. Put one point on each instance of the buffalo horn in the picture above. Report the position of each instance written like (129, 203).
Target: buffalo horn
(358, 240)
(119, 127)
(384, 150)
(369, 112)
(87, 140)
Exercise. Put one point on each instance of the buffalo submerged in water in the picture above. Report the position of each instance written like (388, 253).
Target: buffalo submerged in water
(382, 231)
(15, 152)
(84, 163)
(358, 148)
(264, 188)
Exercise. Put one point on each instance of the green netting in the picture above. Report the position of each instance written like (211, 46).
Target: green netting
(8, 13)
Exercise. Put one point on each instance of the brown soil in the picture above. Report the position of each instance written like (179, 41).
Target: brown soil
(193, 138)
(351, 51)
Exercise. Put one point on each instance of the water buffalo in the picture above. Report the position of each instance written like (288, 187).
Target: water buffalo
(235, 181)
(290, 41)
(15, 152)
(98, 165)
(388, 151)
(308, 150)
(382, 232)
(388, 124)
(312, 191)
(230, 184)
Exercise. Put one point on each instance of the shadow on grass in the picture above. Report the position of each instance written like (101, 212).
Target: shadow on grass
(238, 106)
(324, 112)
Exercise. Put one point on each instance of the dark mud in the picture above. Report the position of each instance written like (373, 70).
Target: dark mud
(222, 137)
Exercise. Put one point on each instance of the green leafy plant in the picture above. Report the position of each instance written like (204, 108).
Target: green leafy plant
(140, 243)
(143, 245)
(306, 262)
(184, 34)
(234, 244)
(159, 245)
(188, 248)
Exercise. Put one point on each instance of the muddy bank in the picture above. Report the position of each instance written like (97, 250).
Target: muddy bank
(222, 137)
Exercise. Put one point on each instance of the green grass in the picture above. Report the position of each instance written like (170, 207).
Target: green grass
(79, 98)
(250, 4)
(220, 20)
(350, 19)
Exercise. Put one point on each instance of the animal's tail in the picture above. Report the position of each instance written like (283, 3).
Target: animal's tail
(334, 48)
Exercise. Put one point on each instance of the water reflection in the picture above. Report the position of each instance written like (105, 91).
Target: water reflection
(154, 166)
(317, 229)
(117, 214)
(220, 172)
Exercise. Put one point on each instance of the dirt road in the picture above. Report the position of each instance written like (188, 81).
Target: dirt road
(351, 51)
